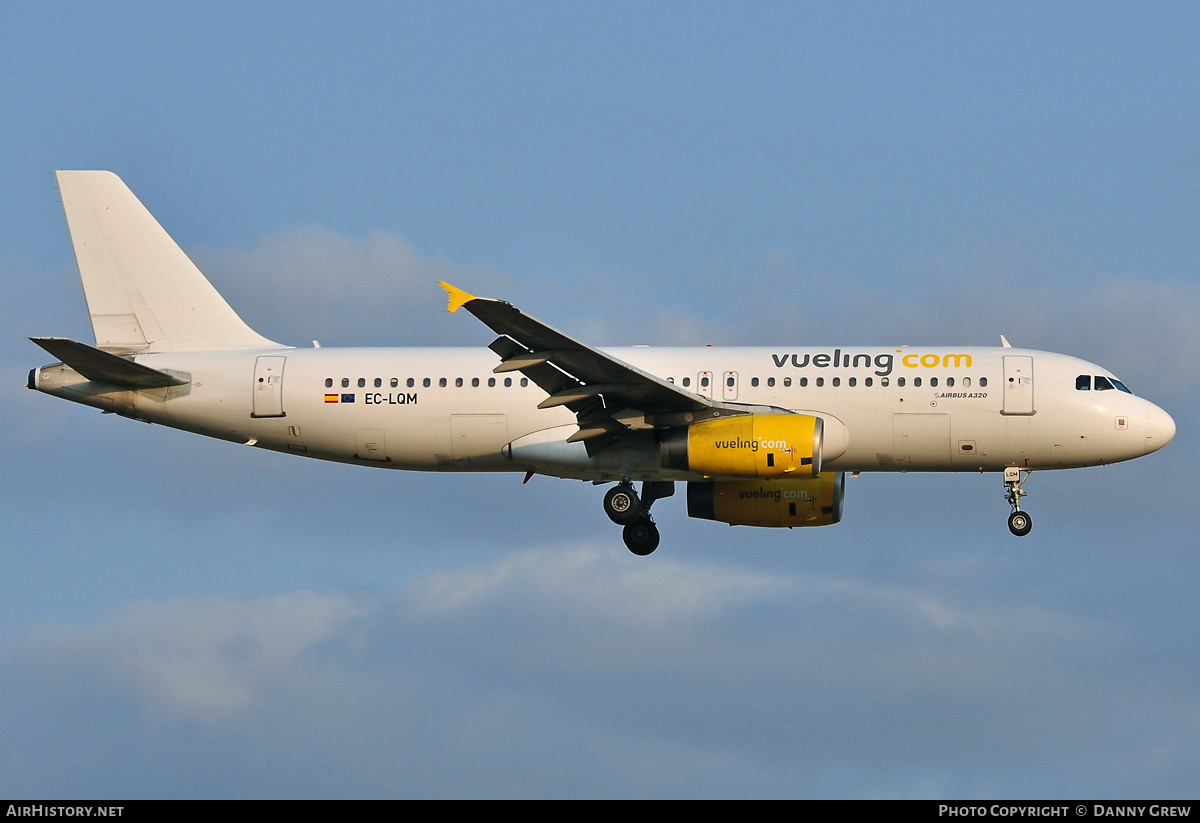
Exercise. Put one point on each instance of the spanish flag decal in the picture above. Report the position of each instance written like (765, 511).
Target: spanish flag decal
(331, 398)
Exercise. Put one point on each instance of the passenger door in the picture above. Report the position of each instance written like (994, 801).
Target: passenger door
(1018, 384)
(268, 387)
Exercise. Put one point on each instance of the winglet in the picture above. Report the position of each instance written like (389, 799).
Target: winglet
(1003, 340)
(458, 297)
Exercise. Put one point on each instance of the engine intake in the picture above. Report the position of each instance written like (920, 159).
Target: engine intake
(751, 445)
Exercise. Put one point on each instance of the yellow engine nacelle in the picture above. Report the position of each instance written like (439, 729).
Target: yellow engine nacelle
(749, 445)
(813, 501)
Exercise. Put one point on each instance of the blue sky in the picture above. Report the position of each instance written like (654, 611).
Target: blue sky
(187, 618)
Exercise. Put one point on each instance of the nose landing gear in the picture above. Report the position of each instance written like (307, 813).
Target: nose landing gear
(625, 508)
(1019, 522)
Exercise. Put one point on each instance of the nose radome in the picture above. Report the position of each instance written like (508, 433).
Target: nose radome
(1160, 428)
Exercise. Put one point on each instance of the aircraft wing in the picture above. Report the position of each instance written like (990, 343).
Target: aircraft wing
(594, 385)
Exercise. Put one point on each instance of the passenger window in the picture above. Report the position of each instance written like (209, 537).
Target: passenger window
(883, 381)
(837, 381)
(787, 382)
(803, 382)
(474, 382)
(950, 382)
(507, 382)
(329, 382)
(524, 382)
(1083, 382)
(868, 382)
(491, 382)
(395, 383)
(687, 381)
(916, 382)
(899, 382)
(853, 381)
(820, 382)
(704, 382)
(345, 382)
(770, 382)
(983, 382)
(671, 380)
(410, 382)
(442, 382)
(425, 382)
(933, 382)
(378, 382)
(458, 382)
(966, 382)
(754, 382)
(729, 382)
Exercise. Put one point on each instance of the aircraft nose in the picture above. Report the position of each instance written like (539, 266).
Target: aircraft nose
(1160, 428)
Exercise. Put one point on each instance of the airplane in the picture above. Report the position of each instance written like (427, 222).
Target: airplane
(759, 436)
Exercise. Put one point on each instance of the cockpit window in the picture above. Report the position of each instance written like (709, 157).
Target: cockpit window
(1099, 382)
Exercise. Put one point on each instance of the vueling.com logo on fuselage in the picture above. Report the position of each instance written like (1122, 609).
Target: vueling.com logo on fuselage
(883, 363)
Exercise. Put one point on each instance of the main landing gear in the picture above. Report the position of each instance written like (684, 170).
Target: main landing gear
(1019, 522)
(625, 508)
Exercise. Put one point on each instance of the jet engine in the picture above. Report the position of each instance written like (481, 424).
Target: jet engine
(750, 445)
(810, 501)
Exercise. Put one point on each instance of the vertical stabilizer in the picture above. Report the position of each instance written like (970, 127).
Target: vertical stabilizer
(143, 293)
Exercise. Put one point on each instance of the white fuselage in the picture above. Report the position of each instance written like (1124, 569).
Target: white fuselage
(443, 409)
(760, 436)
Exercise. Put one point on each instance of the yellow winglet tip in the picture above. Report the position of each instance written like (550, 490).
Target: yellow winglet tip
(457, 296)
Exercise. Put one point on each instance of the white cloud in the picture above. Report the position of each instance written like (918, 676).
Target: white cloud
(205, 659)
(597, 583)
(573, 670)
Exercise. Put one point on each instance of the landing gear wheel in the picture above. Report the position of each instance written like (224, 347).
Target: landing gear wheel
(1019, 523)
(641, 536)
(621, 504)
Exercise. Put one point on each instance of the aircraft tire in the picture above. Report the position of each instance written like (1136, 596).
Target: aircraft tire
(622, 505)
(641, 536)
(1020, 523)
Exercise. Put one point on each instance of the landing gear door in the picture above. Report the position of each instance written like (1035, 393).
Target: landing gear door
(268, 387)
(1018, 384)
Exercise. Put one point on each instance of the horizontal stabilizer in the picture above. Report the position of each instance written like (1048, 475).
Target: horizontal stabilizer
(103, 367)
